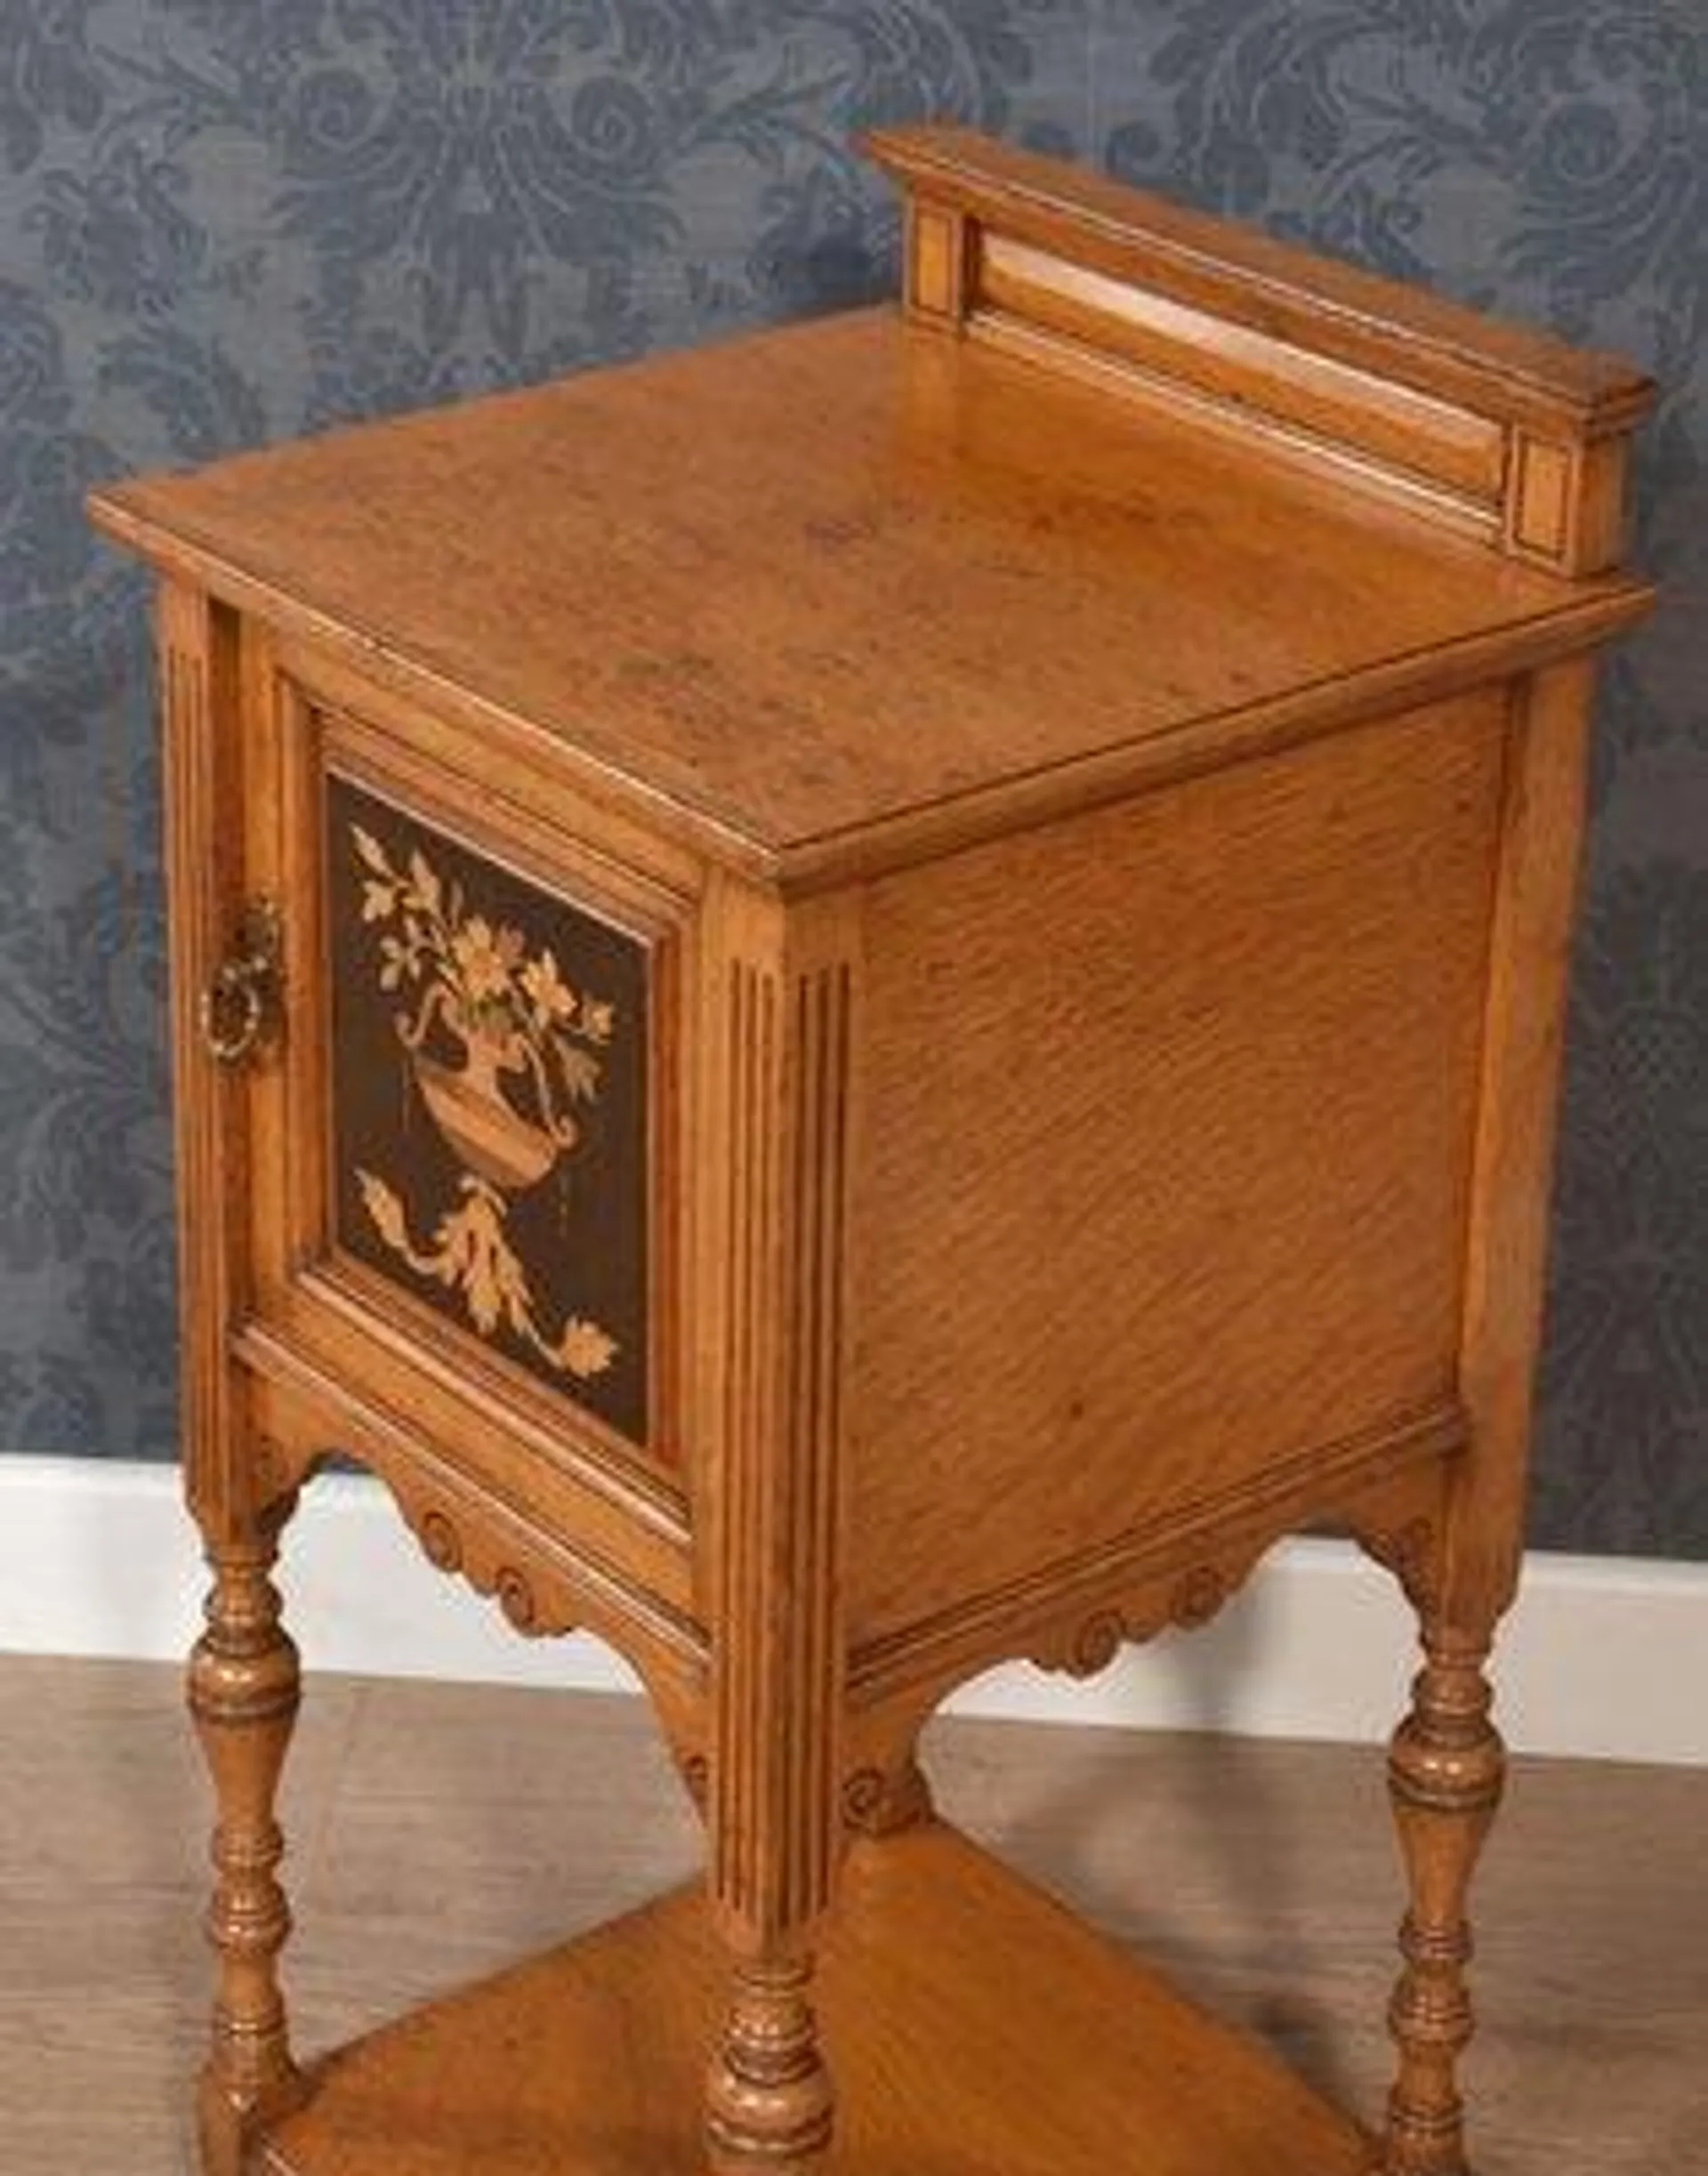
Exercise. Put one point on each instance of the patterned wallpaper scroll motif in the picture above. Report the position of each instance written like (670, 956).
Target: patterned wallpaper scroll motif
(228, 221)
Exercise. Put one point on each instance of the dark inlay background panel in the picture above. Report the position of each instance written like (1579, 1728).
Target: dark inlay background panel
(489, 1056)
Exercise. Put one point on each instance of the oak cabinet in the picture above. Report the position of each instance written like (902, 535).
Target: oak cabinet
(862, 1003)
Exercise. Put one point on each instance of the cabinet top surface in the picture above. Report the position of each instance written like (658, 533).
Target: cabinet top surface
(811, 582)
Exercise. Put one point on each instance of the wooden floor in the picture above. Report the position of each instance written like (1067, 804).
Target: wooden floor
(438, 1833)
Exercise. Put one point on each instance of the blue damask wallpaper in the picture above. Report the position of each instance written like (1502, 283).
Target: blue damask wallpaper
(227, 220)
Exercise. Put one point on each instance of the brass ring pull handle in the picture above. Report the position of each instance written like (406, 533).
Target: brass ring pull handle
(235, 1009)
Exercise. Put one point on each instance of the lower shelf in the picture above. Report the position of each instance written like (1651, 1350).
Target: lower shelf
(974, 2028)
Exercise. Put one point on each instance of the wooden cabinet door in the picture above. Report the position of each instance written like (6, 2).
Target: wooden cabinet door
(431, 1035)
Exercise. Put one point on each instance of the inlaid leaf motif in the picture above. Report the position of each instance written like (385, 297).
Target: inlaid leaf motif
(550, 996)
(472, 1253)
(369, 852)
(386, 1210)
(578, 1068)
(468, 1253)
(425, 887)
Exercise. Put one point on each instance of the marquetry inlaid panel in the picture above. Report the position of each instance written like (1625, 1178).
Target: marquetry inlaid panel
(489, 1058)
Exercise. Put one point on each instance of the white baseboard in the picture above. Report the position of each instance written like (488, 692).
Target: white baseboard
(1602, 1658)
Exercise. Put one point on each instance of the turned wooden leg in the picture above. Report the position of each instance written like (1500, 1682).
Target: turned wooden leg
(769, 2095)
(1445, 1771)
(243, 1695)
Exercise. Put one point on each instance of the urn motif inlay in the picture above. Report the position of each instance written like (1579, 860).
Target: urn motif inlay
(490, 1060)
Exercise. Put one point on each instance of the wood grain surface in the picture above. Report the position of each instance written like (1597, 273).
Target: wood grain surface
(843, 576)
(1252, 279)
(977, 2026)
(1168, 1170)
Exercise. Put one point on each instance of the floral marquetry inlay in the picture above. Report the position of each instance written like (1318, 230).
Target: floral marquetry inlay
(489, 1045)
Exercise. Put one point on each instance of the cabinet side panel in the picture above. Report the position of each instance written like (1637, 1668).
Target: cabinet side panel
(1166, 1179)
